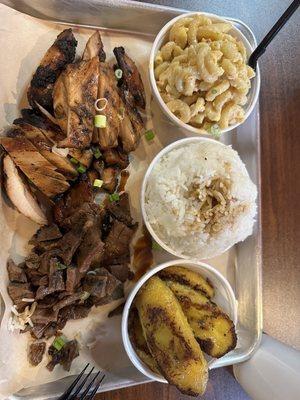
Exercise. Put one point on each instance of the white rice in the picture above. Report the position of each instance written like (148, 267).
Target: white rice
(172, 204)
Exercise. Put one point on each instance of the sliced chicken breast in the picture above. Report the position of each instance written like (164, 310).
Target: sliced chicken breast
(19, 193)
(94, 48)
(131, 77)
(40, 171)
(61, 53)
(74, 96)
(108, 136)
(45, 147)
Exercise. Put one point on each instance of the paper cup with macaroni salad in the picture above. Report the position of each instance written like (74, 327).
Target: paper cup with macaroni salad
(199, 73)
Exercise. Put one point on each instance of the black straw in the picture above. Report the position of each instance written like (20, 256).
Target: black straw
(261, 48)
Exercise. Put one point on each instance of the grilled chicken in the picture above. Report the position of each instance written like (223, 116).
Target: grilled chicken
(94, 48)
(20, 194)
(44, 146)
(54, 134)
(61, 53)
(132, 124)
(108, 136)
(40, 171)
(131, 77)
(74, 96)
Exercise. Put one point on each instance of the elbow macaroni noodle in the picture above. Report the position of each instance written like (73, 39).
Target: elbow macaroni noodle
(202, 75)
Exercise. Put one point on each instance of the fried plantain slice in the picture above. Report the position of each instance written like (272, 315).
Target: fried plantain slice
(189, 278)
(212, 328)
(170, 339)
(138, 340)
(185, 292)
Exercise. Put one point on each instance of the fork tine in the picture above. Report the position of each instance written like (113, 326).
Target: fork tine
(65, 395)
(92, 395)
(80, 386)
(83, 396)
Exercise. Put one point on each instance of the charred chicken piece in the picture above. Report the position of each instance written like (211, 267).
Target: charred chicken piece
(116, 157)
(40, 171)
(108, 136)
(132, 124)
(61, 53)
(54, 134)
(110, 179)
(131, 77)
(20, 194)
(94, 48)
(74, 95)
(44, 146)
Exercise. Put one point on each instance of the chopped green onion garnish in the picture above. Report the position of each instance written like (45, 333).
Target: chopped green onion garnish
(156, 246)
(114, 197)
(98, 183)
(60, 265)
(149, 135)
(73, 160)
(97, 153)
(118, 73)
(215, 131)
(100, 121)
(214, 91)
(85, 295)
(59, 343)
(81, 169)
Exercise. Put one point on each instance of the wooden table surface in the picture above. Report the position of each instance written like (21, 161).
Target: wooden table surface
(280, 166)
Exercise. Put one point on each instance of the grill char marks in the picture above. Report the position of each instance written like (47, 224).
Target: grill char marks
(61, 53)
(131, 77)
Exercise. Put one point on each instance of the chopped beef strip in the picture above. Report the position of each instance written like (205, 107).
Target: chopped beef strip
(73, 279)
(71, 312)
(90, 249)
(80, 193)
(48, 261)
(103, 287)
(44, 316)
(118, 241)
(48, 301)
(44, 330)
(88, 212)
(119, 271)
(67, 301)
(65, 356)
(121, 210)
(32, 261)
(36, 278)
(19, 291)
(46, 233)
(15, 273)
(56, 284)
(95, 285)
(36, 352)
(69, 243)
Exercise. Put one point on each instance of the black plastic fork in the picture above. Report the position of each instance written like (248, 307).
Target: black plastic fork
(88, 393)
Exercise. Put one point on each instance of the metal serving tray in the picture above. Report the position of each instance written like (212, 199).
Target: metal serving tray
(242, 264)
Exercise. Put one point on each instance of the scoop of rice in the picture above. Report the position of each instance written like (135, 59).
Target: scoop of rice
(200, 200)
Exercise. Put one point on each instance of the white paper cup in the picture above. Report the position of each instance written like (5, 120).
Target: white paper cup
(159, 41)
(155, 160)
(224, 297)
